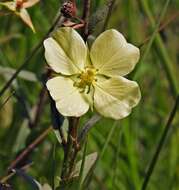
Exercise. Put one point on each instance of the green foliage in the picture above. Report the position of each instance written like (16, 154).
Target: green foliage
(125, 153)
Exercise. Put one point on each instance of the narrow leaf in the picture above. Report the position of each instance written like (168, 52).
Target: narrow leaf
(89, 162)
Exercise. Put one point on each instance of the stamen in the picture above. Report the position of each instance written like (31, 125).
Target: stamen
(85, 80)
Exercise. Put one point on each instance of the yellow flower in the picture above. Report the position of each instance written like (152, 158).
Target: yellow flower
(92, 78)
(19, 8)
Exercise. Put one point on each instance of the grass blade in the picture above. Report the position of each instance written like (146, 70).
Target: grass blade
(160, 145)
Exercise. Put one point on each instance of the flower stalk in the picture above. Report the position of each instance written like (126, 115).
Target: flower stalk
(70, 150)
(73, 146)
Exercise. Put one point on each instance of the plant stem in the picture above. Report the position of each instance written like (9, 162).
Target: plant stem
(154, 34)
(82, 166)
(74, 136)
(70, 150)
(7, 99)
(85, 17)
(72, 147)
(6, 178)
(27, 60)
(30, 148)
(110, 8)
(108, 139)
(160, 145)
(162, 27)
(39, 108)
(160, 48)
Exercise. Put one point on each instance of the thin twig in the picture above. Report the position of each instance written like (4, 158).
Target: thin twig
(30, 148)
(110, 8)
(6, 178)
(27, 60)
(85, 18)
(162, 27)
(67, 151)
(160, 145)
(6, 100)
(39, 107)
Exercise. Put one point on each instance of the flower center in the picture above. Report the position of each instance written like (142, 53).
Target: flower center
(85, 79)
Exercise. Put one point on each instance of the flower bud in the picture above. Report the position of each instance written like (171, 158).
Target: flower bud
(19, 4)
(69, 9)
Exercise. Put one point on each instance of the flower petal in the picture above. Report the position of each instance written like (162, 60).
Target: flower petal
(115, 97)
(26, 18)
(11, 5)
(73, 46)
(57, 58)
(69, 101)
(30, 3)
(112, 55)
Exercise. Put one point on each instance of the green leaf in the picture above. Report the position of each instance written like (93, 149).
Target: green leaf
(46, 186)
(7, 72)
(82, 167)
(89, 162)
(70, 185)
(9, 37)
(22, 135)
(64, 127)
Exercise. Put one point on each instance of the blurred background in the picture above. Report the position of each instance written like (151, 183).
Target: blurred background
(127, 154)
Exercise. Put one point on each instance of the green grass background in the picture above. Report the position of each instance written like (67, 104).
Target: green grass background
(123, 164)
